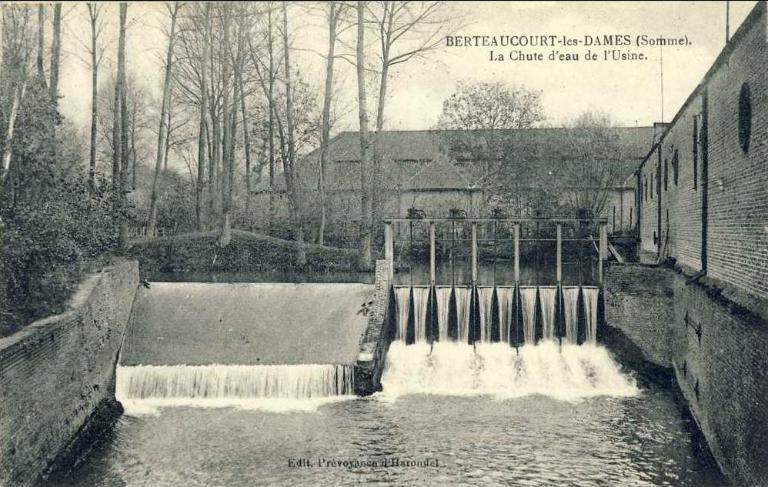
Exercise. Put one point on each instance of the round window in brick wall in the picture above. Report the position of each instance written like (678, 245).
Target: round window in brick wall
(745, 117)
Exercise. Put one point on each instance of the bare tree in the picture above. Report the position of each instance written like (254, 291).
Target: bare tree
(162, 132)
(53, 86)
(15, 60)
(120, 133)
(365, 153)
(40, 41)
(96, 21)
(595, 164)
(226, 143)
(335, 12)
(202, 146)
(479, 117)
(289, 161)
(406, 30)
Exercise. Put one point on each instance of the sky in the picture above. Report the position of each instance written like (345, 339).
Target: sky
(629, 91)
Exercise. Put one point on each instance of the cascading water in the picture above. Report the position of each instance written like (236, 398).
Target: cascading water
(547, 299)
(528, 302)
(566, 372)
(145, 388)
(570, 312)
(486, 313)
(590, 312)
(462, 312)
(443, 303)
(420, 301)
(504, 296)
(403, 300)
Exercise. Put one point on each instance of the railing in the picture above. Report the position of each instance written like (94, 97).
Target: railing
(418, 218)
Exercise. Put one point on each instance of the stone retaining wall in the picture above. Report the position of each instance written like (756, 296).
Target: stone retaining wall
(378, 334)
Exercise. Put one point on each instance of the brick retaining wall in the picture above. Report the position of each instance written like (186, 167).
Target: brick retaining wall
(57, 375)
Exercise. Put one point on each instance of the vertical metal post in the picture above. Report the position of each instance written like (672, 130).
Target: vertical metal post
(517, 252)
(453, 244)
(559, 253)
(602, 251)
(410, 257)
(432, 259)
(474, 252)
(389, 248)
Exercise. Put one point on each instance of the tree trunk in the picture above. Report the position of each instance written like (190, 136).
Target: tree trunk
(290, 168)
(94, 103)
(133, 146)
(40, 40)
(271, 102)
(226, 228)
(163, 129)
(365, 233)
(55, 54)
(123, 115)
(326, 127)
(124, 124)
(202, 148)
(246, 147)
(376, 186)
(18, 95)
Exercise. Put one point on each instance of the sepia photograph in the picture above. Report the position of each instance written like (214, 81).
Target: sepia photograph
(399, 243)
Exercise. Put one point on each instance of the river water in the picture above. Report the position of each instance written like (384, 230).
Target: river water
(450, 416)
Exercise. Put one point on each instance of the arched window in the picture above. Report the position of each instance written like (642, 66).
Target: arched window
(745, 117)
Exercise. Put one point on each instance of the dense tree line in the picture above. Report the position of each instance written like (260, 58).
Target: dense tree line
(234, 112)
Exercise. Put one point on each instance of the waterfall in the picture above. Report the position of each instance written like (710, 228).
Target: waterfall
(420, 301)
(486, 313)
(443, 302)
(571, 313)
(145, 388)
(504, 296)
(547, 300)
(403, 299)
(590, 311)
(462, 312)
(568, 373)
(528, 301)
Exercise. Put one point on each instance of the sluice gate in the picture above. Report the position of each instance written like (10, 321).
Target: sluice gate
(515, 281)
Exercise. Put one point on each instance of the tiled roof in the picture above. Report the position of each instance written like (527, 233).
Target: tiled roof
(416, 159)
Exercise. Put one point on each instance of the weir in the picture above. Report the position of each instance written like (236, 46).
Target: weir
(536, 315)
(249, 345)
(523, 310)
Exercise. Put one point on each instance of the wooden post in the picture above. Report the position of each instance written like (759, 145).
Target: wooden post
(432, 259)
(517, 252)
(602, 251)
(474, 252)
(559, 253)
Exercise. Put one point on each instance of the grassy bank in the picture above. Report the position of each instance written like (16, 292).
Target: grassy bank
(196, 253)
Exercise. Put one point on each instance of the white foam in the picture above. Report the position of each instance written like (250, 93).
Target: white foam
(144, 389)
(567, 373)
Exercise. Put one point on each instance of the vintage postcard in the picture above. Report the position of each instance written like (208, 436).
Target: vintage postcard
(401, 243)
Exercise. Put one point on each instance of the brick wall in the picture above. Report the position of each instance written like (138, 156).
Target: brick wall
(638, 299)
(737, 184)
(58, 372)
(721, 365)
(738, 188)
(649, 203)
(717, 350)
